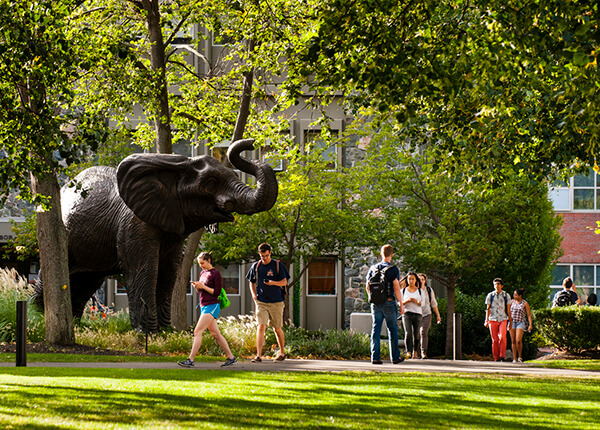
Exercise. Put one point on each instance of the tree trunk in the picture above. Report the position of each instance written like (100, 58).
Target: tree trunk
(162, 119)
(54, 264)
(179, 300)
(450, 319)
(245, 99)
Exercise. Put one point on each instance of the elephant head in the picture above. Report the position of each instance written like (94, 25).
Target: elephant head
(180, 194)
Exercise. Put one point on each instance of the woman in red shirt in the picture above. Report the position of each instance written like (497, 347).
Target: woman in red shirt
(209, 286)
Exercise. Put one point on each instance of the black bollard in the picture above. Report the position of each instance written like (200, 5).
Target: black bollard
(457, 350)
(21, 333)
(145, 319)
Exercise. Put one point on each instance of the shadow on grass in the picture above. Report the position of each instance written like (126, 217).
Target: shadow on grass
(95, 398)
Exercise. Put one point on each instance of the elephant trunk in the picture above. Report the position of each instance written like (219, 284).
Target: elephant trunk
(265, 195)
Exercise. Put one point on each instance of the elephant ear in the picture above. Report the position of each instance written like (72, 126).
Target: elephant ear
(148, 186)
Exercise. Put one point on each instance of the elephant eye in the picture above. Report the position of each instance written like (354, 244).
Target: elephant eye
(209, 185)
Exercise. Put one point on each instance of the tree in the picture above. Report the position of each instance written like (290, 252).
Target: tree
(41, 58)
(461, 233)
(212, 103)
(318, 212)
(506, 84)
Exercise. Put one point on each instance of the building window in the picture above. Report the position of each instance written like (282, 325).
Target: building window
(219, 151)
(321, 277)
(121, 287)
(269, 156)
(329, 153)
(586, 278)
(231, 278)
(580, 193)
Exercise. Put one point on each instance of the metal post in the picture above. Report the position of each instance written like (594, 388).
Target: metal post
(145, 320)
(457, 350)
(21, 333)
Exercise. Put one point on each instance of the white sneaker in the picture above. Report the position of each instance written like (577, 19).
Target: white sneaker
(514, 361)
(520, 360)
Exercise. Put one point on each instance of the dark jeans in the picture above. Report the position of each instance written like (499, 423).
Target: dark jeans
(412, 328)
(389, 311)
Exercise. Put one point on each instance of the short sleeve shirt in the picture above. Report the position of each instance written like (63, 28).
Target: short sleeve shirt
(274, 271)
(498, 304)
(212, 279)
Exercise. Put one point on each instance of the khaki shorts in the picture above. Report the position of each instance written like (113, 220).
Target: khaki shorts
(270, 313)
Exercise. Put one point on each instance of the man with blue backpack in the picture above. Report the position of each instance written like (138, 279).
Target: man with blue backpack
(383, 289)
(497, 316)
(268, 282)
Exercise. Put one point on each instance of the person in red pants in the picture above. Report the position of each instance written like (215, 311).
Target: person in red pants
(497, 316)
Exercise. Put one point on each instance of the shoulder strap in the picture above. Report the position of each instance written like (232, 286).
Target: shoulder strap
(260, 261)
(429, 292)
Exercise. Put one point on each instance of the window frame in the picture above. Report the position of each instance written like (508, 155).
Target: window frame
(334, 262)
(580, 288)
(558, 191)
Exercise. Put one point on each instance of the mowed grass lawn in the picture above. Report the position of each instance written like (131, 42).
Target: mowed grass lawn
(65, 398)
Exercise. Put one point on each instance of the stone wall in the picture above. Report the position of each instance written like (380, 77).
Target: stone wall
(357, 263)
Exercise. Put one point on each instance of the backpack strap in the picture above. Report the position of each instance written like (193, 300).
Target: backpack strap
(260, 261)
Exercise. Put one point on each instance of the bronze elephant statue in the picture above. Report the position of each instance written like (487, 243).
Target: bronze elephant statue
(134, 220)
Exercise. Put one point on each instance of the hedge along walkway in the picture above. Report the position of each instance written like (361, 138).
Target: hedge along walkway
(294, 365)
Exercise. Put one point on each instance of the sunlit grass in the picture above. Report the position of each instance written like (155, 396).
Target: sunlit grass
(569, 364)
(89, 358)
(168, 399)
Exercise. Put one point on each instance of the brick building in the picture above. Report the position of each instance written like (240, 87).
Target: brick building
(578, 203)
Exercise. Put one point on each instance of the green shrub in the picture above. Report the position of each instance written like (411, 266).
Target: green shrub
(112, 322)
(475, 336)
(177, 342)
(105, 338)
(14, 288)
(327, 344)
(571, 328)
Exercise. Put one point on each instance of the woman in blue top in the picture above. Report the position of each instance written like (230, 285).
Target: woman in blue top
(209, 287)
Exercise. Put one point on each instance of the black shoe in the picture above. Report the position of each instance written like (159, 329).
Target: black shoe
(229, 362)
(376, 362)
(186, 363)
(257, 359)
(400, 360)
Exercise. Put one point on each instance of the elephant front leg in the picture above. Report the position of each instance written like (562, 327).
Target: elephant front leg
(169, 266)
(140, 285)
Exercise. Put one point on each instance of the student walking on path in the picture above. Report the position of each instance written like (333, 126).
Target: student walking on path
(268, 280)
(387, 310)
(428, 304)
(520, 312)
(412, 300)
(209, 287)
(497, 316)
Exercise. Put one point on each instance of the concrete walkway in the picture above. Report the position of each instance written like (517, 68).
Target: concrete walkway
(295, 365)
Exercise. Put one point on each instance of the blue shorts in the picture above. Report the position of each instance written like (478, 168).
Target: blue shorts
(214, 310)
(522, 325)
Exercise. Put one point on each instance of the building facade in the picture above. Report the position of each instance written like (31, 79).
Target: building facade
(578, 203)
